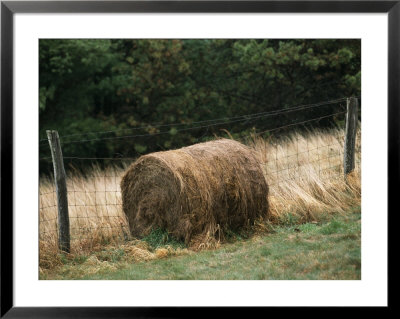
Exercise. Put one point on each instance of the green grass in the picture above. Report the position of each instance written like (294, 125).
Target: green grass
(160, 238)
(328, 250)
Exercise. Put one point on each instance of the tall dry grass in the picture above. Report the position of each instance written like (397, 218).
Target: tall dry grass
(304, 172)
(95, 210)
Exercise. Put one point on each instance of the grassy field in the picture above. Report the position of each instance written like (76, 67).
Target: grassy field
(307, 188)
(327, 250)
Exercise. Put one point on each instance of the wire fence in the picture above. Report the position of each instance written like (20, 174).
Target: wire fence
(293, 153)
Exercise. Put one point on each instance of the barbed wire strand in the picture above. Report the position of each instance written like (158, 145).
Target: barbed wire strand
(244, 117)
(241, 138)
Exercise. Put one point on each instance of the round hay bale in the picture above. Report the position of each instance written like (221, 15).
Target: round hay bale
(200, 190)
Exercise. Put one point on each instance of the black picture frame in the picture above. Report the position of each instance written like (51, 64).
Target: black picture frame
(9, 8)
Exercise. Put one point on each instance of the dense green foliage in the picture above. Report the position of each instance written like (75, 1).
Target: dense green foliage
(136, 87)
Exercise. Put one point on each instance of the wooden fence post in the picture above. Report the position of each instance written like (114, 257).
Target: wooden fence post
(350, 135)
(61, 189)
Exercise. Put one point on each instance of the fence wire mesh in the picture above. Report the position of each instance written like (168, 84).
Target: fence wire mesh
(291, 154)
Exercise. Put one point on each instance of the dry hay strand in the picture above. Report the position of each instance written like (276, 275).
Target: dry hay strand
(204, 242)
(93, 265)
(138, 253)
(48, 255)
(196, 191)
(161, 253)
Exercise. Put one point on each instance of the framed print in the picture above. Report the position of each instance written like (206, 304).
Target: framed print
(163, 155)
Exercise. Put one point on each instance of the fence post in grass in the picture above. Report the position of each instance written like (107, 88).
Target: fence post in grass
(350, 135)
(61, 189)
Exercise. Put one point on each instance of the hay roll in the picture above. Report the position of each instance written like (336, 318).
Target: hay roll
(200, 190)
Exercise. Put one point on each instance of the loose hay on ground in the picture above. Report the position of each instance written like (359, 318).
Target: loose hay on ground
(201, 190)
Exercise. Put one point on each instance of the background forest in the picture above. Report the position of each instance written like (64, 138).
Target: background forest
(92, 91)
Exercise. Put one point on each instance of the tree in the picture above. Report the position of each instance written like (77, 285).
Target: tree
(135, 89)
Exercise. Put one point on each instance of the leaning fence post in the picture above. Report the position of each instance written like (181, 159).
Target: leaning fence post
(350, 135)
(61, 189)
